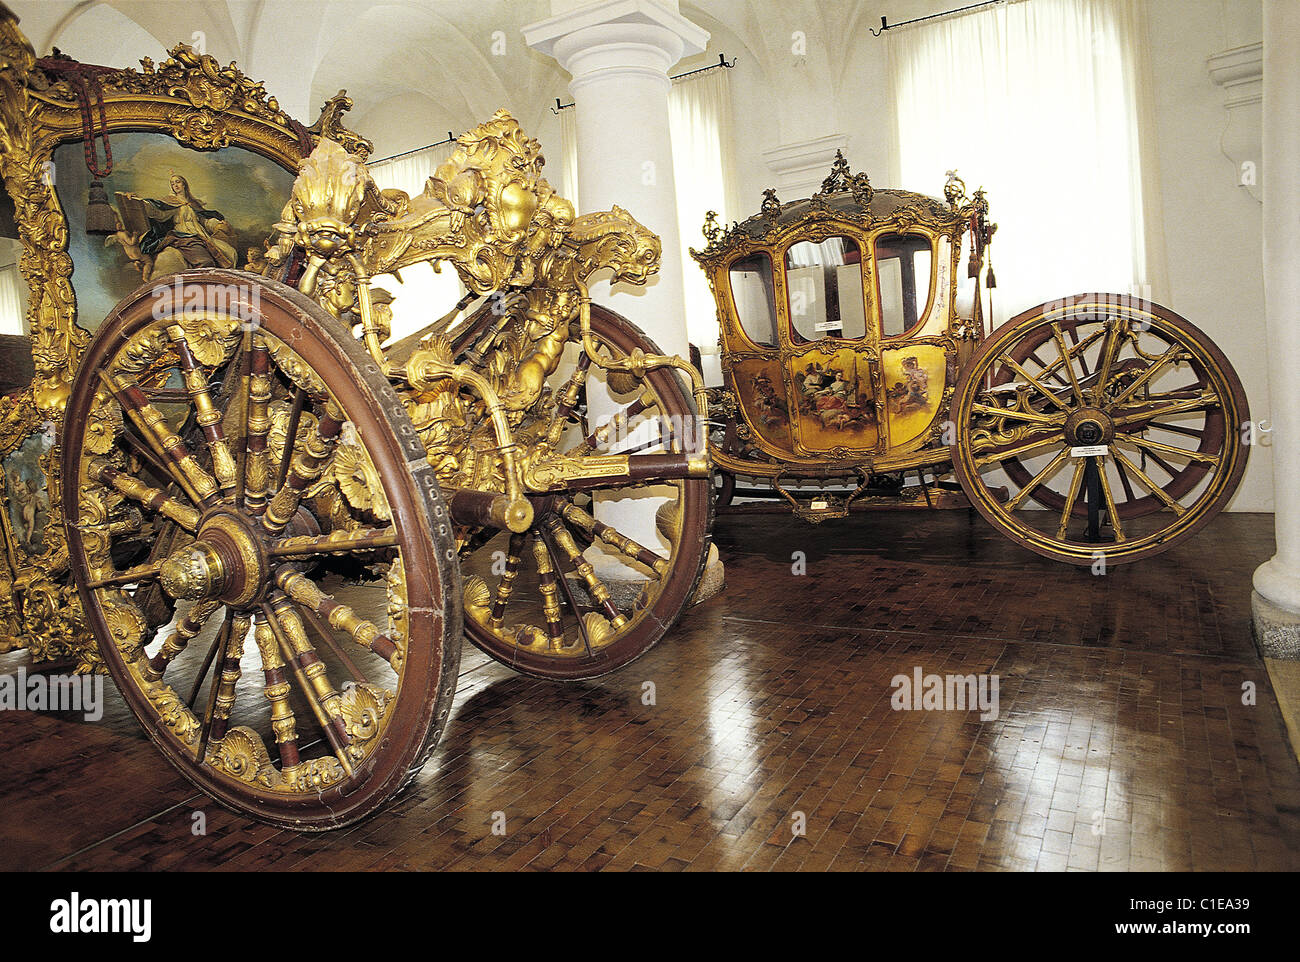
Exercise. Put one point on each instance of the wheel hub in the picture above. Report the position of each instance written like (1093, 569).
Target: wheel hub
(1089, 426)
(228, 561)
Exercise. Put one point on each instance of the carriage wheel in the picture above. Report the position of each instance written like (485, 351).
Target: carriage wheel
(1117, 425)
(211, 448)
(544, 601)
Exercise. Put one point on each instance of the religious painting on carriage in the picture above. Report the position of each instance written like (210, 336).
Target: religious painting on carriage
(164, 208)
(834, 401)
(27, 497)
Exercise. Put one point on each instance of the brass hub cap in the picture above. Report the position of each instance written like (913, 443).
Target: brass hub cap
(1088, 426)
(228, 562)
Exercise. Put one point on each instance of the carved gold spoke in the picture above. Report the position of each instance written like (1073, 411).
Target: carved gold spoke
(311, 675)
(338, 616)
(284, 724)
(138, 573)
(174, 454)
(1019, 451)
(257, 470)
(619, 542)
(152, 498)
(505, 587)
(618, 424)
(307, 467)
(338, 542)
(206, 414)
(1175, 352)
(1109, 352)
(1150, 485)
(1111, 513)
(1199, 403)
(178, 640)
(550, 593)
(228, 674)
(1032, 417)
(595, 587)
(1033, 483)
(1049, 370)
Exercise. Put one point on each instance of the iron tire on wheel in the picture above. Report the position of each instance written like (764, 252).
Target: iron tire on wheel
(1171, 417)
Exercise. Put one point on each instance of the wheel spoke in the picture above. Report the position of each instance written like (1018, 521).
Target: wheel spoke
(505, 587)
(1155, 447)
(1071, 497)
(152, 498)
(218, 643)
(205, 412)
(1108, 353)
(363, 632)
(283, 723)
(325, 634)
(290, 435)
(1011, 362)
(615, 539)
(1207, 399)
(1175, 352)
(1066, 363)
(310, 673)
(257, 474)
(1049, 370)
(550, 594)
(1115, 523)
(229, 667)
(145, 572)
(1150, 485)
(1003, 454)
(197, 484)
(617, 424)
(1124, 482)
(339, 542)
(1033, 417)
(177, 641)
(1023, 494)
(306, 470)
(595, 587)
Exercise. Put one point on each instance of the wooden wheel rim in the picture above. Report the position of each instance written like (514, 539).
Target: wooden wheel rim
(1223, 429)
(686, 561)
(422, 699)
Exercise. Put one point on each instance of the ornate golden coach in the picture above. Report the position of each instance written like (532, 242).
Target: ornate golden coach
(270, 521)
(857, 357)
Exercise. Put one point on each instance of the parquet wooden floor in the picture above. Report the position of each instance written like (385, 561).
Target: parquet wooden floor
(1121, 739)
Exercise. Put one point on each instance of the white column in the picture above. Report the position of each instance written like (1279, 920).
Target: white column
(619, 53)
(1276, 601)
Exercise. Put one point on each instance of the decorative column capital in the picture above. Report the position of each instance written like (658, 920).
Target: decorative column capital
(617, 36)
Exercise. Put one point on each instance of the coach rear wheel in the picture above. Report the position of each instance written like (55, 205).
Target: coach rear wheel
(213, 444)
(1120, 429)
(594, 584)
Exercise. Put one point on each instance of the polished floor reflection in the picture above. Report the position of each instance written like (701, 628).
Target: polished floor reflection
(762, 733)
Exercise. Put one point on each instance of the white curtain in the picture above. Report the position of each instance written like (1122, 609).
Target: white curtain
(699, 117)
(11, 300)
(1044, 103)
(423, 295)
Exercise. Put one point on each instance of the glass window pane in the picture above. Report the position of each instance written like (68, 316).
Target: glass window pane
(825, 282)
(903, 266)
(751, 289)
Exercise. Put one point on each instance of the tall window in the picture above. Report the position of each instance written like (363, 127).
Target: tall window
(423, 295)
(1041, 102)
(11, 296)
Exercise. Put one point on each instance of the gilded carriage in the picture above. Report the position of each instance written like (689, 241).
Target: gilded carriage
(269, 520)
(857, 362)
